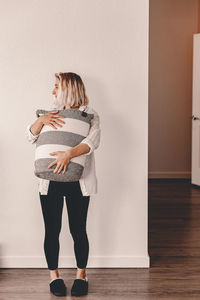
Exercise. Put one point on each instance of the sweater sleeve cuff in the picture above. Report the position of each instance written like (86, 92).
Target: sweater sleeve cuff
(90, 144)
(30, 135)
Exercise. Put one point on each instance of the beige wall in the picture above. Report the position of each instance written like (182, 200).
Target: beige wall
(198, 15)
(172, 25)
(106, 42)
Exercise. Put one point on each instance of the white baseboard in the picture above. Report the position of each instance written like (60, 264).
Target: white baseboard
(159, 175)
(69, 262)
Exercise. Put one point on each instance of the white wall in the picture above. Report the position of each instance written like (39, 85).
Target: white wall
(106, 42)
(172, 25)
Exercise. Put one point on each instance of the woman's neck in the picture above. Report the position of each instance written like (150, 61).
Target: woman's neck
(73, 107)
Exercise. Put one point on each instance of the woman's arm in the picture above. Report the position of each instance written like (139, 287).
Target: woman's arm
(36, 127)
(94, 135)
(91, 142)
(51, 119)
(79, 150)
(31, 137)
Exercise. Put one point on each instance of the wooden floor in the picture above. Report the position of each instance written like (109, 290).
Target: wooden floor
(174, 248)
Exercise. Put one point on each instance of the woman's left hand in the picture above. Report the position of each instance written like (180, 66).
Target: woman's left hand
(62, 160)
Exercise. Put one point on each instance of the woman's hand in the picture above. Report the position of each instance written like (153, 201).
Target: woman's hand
(63, 159)
(51, 119)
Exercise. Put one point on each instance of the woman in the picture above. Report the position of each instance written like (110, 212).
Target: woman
(69, 92)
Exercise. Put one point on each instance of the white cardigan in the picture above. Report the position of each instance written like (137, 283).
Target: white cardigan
(88, 180)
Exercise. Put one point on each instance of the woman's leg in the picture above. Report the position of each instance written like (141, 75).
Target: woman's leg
(77, 207)
(52, 206)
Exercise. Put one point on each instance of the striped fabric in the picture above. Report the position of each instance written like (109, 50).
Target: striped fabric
(75, 129)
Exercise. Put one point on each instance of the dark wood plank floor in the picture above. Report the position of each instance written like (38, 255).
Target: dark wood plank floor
(174, 239)
(174, 248)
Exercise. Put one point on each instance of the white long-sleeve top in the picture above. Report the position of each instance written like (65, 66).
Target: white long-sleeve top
(88, 180)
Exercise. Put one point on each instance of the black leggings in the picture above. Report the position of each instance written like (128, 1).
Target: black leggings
(77, 207)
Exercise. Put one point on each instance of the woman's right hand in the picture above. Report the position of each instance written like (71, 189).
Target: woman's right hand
(51, 119)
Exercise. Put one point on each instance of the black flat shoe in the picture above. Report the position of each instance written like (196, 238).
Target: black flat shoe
(80, 287)
(58, 287)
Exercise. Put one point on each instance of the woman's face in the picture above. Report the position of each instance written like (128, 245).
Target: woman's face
(55, 90)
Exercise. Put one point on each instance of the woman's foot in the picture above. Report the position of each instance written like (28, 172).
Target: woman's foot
(80, 274)
(54, 274)
(80, 287)
(58, 287)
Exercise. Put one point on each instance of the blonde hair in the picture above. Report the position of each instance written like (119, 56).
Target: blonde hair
(71, 91)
